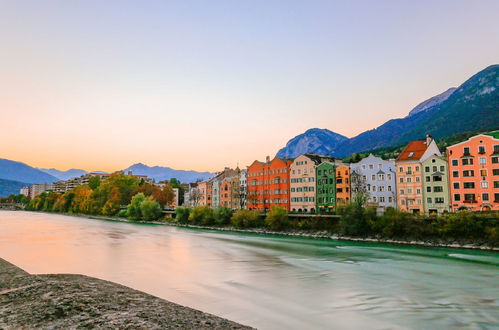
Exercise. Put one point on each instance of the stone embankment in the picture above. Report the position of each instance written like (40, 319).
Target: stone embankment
(77, 301)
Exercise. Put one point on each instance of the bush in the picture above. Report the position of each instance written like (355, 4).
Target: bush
(133, 209)
(150, 209)
(222, 216)
(122, 213)
(355, 220)
(246, 219)
(182, 214)
(277, 219)
(201, 215)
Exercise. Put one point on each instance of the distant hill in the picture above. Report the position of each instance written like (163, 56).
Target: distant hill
(315, 140)
(64, 175)
(8, 187)
(17, 171)
(473, 106)
(160, 173)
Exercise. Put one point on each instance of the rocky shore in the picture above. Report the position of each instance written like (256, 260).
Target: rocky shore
(77, 301)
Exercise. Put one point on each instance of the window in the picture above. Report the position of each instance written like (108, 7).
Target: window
(466, 150)
(409, 191)
(411, 154)
(455, 174)
(428, 189)
(485, 196)
(409, 170)
(390, 199)
(469, 197)
(418, 179)
(496, 184)
(469, 185)
(401, 180)
(401, 191)
(427, 169)
(371, 166)
(382, 199)
(468, 173)
(418, 191)
(428, 200)
(456, 185)
(373, 177)
(457, 197)
(409, 180)
(496, 149)
(439, 200)
(467, 161)
(483, 160)
(389, 188)
(417, 169)
(381, 177)
(496, 198)
(438, 189)
(481, 149)
(401, 169)
(434, 168)
(374, 188)
(483, 172)
(495, 160)
(495, 171)
(455, 162)
(389, 176)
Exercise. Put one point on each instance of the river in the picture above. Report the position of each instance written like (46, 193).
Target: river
(268, 282)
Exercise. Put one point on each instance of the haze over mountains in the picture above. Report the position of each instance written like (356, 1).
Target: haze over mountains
(472, 106)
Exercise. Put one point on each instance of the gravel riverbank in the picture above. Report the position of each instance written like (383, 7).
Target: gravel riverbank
(77, 301)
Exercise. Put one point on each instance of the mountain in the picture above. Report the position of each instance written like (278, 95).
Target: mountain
(431, 102)
(17, 171)
(8, 187)
(315, 140)
(160, 173)
(473, 106)
(64, 175)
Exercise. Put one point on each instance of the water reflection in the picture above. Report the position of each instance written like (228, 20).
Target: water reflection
(267, 282)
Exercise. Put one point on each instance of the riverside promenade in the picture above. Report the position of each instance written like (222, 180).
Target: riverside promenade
(77, 301)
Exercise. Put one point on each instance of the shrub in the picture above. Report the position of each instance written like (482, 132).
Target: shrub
(182, 214)
(246, 219)
(277, 219)
(122, 213)
(355, 220)
(133, 209)
(150, 209)
(201, 215)
(222, 216)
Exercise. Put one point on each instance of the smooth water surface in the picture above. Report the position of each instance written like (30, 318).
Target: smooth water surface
(263, 281)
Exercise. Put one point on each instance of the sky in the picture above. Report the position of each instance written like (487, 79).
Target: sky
(101, 85)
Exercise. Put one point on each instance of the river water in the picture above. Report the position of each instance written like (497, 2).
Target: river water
(264, 281)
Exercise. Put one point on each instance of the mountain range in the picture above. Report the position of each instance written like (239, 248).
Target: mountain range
(160, 173)
(64, 175)
(472, 106)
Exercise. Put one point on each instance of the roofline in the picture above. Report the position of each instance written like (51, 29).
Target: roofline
(474, 136)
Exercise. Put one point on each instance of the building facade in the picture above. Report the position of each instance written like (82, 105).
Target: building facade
(436, 197)
(409, 173)
(268, 184)
(243, 189)
(343, 193)
(326, 187)
(376, 177)
(474, 173)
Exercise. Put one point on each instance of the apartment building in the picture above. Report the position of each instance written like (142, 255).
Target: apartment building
(474, 173)
(376, 177)
(326, 187)
(436, 197)
(343, 192)
(409, 173)
(268, 184)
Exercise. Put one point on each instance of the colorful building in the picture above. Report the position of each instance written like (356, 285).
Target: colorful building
(474, 173)
(409, 173)
(326, 187)
(436, 198)
(375, 177)
(243, 189)
(343, 193)
(268, 184)
(303, 182)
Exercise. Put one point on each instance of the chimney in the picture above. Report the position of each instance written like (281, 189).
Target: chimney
(429, 138)
(267, 159)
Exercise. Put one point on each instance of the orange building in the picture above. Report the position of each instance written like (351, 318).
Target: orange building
(409, 173)
(474, 173)
(343, 191)
(268, 184)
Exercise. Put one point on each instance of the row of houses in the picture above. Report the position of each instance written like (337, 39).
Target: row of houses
(420, 180)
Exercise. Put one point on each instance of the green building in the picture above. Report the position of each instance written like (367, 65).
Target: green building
(326, 187)
(435, 185)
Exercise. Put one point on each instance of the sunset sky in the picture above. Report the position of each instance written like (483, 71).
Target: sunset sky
(200, 85)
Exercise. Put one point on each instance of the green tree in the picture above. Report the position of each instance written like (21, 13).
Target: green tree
(150, 209)
(94, 182)
(133, 209)
(277, 219)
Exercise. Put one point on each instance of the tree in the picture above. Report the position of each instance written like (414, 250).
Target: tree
(133, 209)
(150, 209)
(195, 196)
(277, 219)
(359, 190)
(94, 182)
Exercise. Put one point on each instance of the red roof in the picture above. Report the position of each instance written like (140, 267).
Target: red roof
(413, 151)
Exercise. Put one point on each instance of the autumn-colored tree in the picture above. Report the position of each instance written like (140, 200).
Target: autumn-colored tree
(112, 205)
(82, 201)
